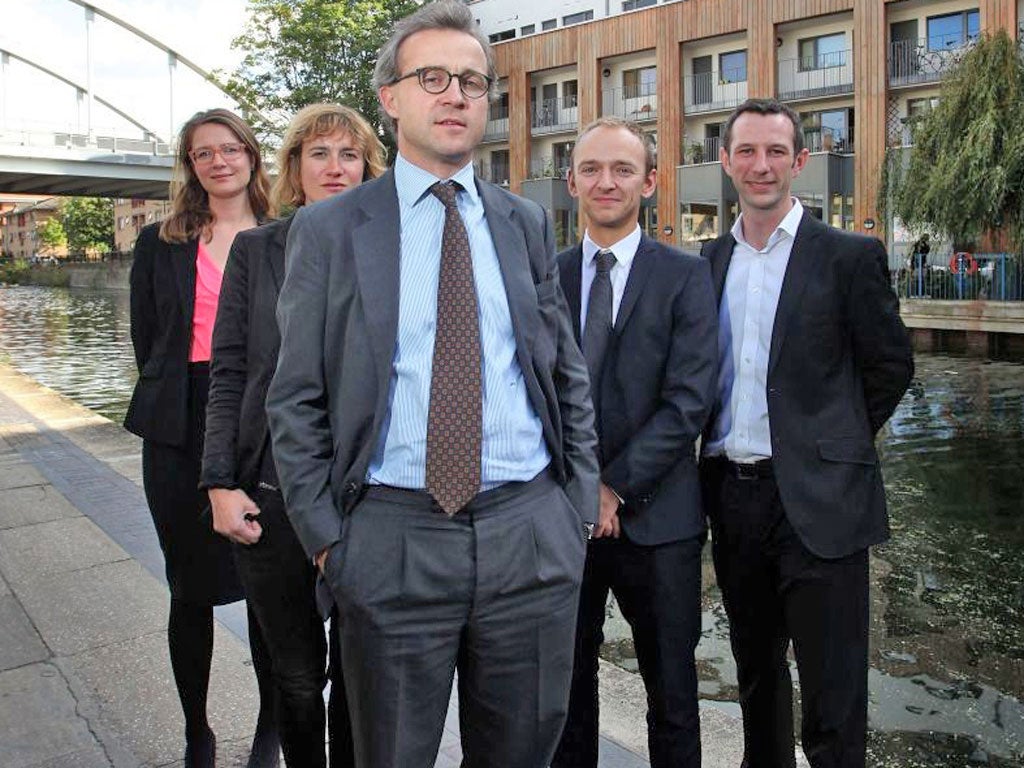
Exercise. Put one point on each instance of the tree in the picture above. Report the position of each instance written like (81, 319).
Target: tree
(52, 237)
(89, 223)
(965, 174)
(299, 52)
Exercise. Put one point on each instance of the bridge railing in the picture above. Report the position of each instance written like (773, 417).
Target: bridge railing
(979, 276)
(108, 142)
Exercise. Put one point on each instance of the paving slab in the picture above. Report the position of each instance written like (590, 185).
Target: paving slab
(34, 551)
(19, 474)
(34, 504)
(93, 607)
(20, 644)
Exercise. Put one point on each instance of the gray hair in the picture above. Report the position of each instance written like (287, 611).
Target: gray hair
(442, 14)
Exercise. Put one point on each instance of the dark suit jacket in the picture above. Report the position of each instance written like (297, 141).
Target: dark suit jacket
(338, 315)
(840, 361)
(245, 347)
(657, 388)
(163, 295)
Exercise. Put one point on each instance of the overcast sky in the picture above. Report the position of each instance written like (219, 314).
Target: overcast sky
(128, 72)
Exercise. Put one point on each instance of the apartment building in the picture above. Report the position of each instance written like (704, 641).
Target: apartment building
(131, 215)
(19, 222)
(857, 71)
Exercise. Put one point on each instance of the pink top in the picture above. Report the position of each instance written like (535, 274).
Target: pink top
(208, 279)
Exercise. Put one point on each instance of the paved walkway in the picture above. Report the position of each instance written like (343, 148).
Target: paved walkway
(84, 675)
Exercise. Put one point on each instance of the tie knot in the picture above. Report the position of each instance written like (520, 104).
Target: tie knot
(605, 260)
(445, 191)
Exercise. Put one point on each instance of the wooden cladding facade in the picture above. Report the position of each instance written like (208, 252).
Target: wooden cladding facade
(666, 29)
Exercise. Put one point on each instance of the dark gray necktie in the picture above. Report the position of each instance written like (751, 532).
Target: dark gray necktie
(598, 328)
(454, 421)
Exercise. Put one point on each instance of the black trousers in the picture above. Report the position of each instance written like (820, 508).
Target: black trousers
(279, 584)
(658, 590)
(776, 591)
(491, 592)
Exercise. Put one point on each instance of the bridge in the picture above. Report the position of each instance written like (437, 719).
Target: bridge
(101, 141)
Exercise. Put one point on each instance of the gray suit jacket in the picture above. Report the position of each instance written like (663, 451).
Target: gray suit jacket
(338, 314)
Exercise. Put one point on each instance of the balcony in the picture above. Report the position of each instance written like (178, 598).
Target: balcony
(700, 151)
(913, 62)
(549, 168)
(819, 140)
(497, 125)
(554, 116)
(637, 103)
(494, 173)
(708, 93)
(829, 74)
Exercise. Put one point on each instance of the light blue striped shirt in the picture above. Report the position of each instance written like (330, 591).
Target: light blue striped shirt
(513, 441)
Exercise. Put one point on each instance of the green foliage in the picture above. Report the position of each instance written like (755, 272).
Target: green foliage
(52, 236)
(965, 173)
(89, 223)
(299, 52)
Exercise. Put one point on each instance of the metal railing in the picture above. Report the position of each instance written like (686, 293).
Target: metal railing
(32, 137)
(925, 60)
(697, 151)
(827, 140)
(980, 276)
(496, 174)
(638, 103)
(546, 168)
(829, 74)
(711, 91)
(497, 124)
(554, 115)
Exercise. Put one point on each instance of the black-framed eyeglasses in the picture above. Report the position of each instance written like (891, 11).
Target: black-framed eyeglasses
(437, 79)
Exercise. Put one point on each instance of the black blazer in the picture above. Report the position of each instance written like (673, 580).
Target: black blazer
(657, 388)
(163, 288)
(245, 346)
(840, 360)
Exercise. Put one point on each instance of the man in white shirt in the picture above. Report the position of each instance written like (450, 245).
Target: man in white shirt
(813, 358)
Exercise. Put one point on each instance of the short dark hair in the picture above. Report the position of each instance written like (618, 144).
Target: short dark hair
(766, 107)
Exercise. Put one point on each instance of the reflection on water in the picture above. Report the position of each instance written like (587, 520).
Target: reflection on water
(947, 643)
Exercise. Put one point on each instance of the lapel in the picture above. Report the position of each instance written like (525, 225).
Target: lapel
(572, 279)
(720, 254)
(376, 247)
(510, 244)
(275, 253)
(184, 265)
(801, 262)
(639, 271)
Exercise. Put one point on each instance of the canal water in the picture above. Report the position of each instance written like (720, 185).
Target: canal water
(947, 636)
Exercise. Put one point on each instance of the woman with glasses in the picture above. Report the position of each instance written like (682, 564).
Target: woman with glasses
(219, 189)
(326, 149)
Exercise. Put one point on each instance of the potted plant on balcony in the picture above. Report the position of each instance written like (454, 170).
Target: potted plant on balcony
(695, 152)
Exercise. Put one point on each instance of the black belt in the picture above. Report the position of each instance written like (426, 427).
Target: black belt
(755, 470)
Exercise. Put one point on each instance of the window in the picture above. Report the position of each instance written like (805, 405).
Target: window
(917, 108)
(498, 109)
(732, 67)
(549, 24)
(639, 82)
(570, 94)
(823, 52)
(953, 30)
(632, 5)
(506, 34)
(529, 29)
(702, 80)
(829, 130)
(562, 157)
(577, 18)
(499, 166)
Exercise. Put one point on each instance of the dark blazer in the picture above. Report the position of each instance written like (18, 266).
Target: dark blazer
(163, 295)
(338, 315)
(245, 347)
(840, 360)
(657, 387)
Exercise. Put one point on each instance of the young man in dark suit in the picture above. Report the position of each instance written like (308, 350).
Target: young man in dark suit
(813, 358)
(645, 315)
(432, 426)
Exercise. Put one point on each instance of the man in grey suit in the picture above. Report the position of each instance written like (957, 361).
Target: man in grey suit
(432, 425)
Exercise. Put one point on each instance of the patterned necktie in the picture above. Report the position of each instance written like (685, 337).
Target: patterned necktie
(598, 328)
(454, 420)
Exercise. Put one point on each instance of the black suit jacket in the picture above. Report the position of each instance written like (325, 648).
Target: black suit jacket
(163, 295)
(840, 360)
(338, 315)
(245, 347)
(656, 388)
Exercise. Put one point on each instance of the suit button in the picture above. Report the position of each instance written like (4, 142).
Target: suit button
(351, 487)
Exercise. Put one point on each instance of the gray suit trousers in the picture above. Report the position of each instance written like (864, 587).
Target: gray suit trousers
(491, 592)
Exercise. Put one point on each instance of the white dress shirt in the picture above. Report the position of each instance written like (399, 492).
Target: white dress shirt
(746, 319)
(624, 250)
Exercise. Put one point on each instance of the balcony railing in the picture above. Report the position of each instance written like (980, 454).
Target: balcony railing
(711, 92)
(494, 173)
(497, 124)
(549, 168)
(697, 151)
(554, 116)
(638, 103)
(828, 74)
(827, 140)
(926, 60)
